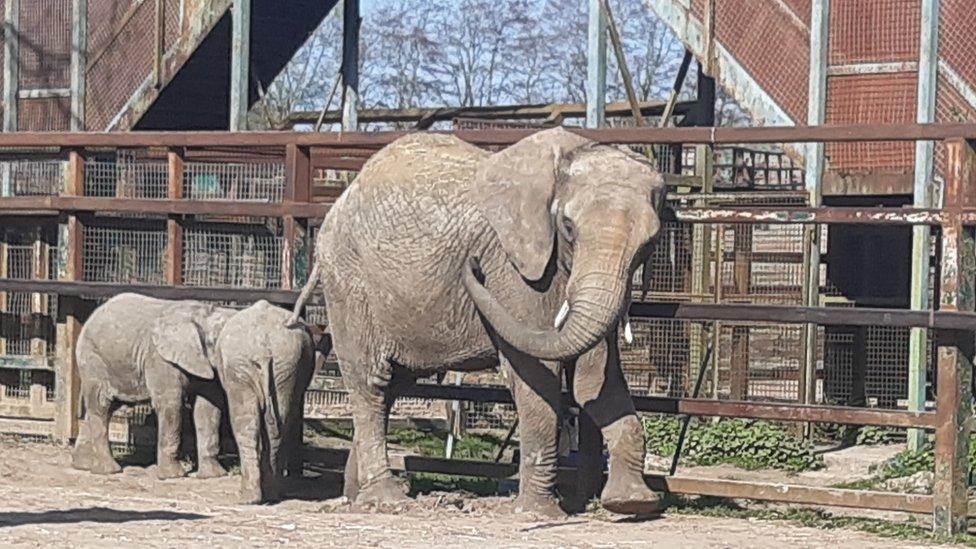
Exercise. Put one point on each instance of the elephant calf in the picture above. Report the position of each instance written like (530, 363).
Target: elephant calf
(135, 349)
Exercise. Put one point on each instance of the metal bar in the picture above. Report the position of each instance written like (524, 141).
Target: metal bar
(240, 64)
(499, 137)
(686, 420)
(596, 66)
(160, 30)
(924, 155)
(810, 216)
(679, 81)
(618, 51)
(11, 64)
(351, 21)
(874, 68)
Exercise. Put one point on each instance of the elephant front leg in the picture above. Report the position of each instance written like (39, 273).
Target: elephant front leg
(170, 420)
(600, 388)
(206, 420)
(536, 389)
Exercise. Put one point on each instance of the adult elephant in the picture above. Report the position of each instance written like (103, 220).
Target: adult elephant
(442, 256)
(135, 349)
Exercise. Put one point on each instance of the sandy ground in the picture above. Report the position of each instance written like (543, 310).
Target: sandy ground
(45, 502)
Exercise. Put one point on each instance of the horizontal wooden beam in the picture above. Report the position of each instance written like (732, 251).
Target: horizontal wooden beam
(96, 290)
(45, 204)
(643, 135)
(872, 68)
(703, 407)
(44, 93)
(541, 111)
(808, 216)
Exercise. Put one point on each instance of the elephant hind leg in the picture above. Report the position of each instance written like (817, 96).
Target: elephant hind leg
(535, 387)
(92, 451)
(370, 402)
(206, 421)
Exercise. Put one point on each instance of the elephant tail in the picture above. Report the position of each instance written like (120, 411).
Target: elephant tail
(313, 281)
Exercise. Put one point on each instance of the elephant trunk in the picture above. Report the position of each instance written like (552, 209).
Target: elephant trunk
(596, 295)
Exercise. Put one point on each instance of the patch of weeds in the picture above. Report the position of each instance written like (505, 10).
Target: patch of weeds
(748, 444)
(423, 483)
(914, 531)
(476, 446)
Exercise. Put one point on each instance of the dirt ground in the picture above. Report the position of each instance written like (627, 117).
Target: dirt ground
(45, 502)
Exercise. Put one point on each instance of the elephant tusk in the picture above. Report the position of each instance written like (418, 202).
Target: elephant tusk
(561, 315)
(628, 333)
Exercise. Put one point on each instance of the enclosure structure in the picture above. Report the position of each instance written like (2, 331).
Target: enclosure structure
(78, 214)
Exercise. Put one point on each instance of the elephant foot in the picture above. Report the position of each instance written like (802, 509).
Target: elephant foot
(383, 491)
(250, 495)
(82, 458)
(170, 469)
(544, 506)
(628, 494)
(104, 466)
(210, 468)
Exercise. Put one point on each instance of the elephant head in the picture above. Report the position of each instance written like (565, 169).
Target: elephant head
(597, 207)
(265, 368)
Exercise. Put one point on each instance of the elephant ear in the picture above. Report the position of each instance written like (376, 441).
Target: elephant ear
(179, 340)
(514, 189)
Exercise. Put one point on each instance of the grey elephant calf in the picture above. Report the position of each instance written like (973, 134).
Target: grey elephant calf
(135, 349)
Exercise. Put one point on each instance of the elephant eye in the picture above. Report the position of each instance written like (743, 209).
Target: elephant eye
(568, 229)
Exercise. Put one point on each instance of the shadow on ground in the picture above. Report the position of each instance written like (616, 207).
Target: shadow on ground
(93, 514)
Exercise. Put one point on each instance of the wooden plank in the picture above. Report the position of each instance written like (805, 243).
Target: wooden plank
(174, 228)
(39, 301)
(793, 493)
(30, 427)
(95, 290)
(956, 349)
(854, 69)
(706, 407)
(45, 204)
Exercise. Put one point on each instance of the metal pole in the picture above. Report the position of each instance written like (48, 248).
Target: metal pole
(819, 36)
(79, 62)
(11, 64)
(618, 51)
(924, 151)
(596, 66)
(240, 64)
(351, 21)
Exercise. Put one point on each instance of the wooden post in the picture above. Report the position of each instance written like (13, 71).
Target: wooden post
(3, 295)
(298, 188)
(39, 301)
(79, 63)
(240, 64)
(596, 66)
(11, 64)
(816, 114)
(954, 385)
(924, 153)
(70, 267)
(351, 21)
(174, 227)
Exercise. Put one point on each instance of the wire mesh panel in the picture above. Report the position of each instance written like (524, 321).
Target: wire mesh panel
(219, 257)
(657, 361)
(488, 415)
(671, 260)
(32, 177)
(127, 176)
(260, 182)
(45, 44)
(760, 361)
(20, 259)
(124, 255)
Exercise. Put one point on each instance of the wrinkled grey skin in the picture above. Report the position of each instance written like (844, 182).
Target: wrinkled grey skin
(265, 368)
(442, 256)
(135, 349)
